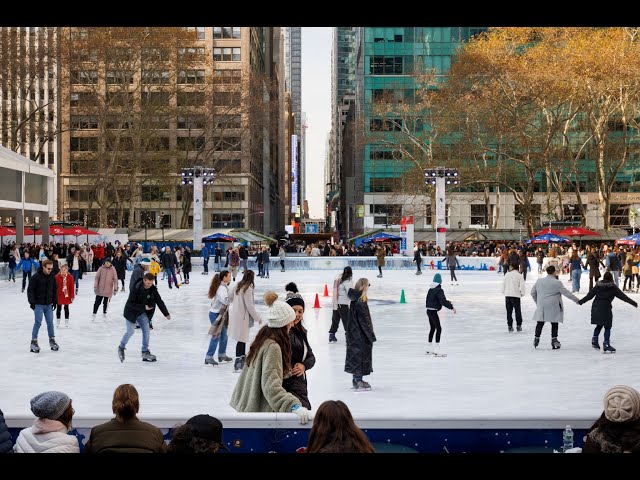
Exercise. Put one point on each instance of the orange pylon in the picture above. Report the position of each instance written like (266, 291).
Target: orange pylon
(326, 291)
(317, 302)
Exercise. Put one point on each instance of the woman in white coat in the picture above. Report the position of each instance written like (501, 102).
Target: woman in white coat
(49, 433)
(242, 316)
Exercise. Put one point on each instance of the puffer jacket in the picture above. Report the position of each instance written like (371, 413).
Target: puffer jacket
(46, 436)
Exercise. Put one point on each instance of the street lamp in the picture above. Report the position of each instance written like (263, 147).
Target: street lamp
(440, 177)
(197, 176)
(162, 226)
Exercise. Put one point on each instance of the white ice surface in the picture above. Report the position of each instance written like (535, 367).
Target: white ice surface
(489, 374)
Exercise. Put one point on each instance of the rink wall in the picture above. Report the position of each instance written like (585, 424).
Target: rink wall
(264, 432)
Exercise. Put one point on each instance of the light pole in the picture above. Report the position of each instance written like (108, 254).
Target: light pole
(162, 226)
(197, 176)
(440, 177)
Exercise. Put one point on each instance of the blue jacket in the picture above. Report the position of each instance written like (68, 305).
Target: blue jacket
(27, 264)
(204, 253)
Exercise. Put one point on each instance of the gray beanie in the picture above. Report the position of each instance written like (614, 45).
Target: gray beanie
(50, 405)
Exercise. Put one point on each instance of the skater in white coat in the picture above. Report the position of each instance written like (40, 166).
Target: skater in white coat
(242, 317)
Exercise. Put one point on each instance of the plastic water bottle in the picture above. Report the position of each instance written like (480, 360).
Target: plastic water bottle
(567, 438)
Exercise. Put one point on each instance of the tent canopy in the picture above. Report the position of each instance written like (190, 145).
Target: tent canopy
(548, 238)
(382, 237)
(219, 237)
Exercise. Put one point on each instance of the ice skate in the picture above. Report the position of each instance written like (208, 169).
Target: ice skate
(379, 275)
(332, 338)
(238, 365)
(519, 328)
(361, 385)
(607, 348)
(437, 352)
(210, 361)
(58, 323)
(594, 343)
(66, 323)
(555, 344)
(510, 329)
(536, 342)
(93, 317)
(34, 346)
(224, 358)
(430, 349)
(52, 343)
(147, 357)
(121, 353)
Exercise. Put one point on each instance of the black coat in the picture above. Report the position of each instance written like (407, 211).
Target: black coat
(360, 337)
(593, 262)
(436, 299)
(6, 444)
(42, 289)
(139, 297)
(186, 262)
(120, 264)
(604, 293)
(298, 385)
(168, 260)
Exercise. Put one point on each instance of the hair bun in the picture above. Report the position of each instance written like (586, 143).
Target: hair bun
(270, 297)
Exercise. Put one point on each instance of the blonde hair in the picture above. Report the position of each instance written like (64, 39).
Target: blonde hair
(270, 297)
(363, 285)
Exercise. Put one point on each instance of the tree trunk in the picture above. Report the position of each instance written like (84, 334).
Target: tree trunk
(496, 212)
(603, 194)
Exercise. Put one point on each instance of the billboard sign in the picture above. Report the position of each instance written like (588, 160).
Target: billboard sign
(294, 173)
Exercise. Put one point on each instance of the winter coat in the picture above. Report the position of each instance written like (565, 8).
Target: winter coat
(555, 261)
(243, 311)
(594, 262)
(513, 284)
(120, 264)
(300, 353)
(524, 264)
(42, 289)
(6, 444)
(26, 264)
(417, 257)
(186, 262)
(380, 257)
(360, 337)
(547, 293)
(235, 259)
(613, 437)
(46, 436)
(139, 297)
(259, 388)
(343, 292)
(204, 253)
(612, 262)
(540, 257)
(106, 282)
(604, 293)
(130, 436)
(168, 260)
(60, 281)
(436, 299)
(137, 274)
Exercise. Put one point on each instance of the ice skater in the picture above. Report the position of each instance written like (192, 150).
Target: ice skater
(435, 301)
(380, 254)
(65, 292)
(513, 288)
(104, 286)
(418, 259)
(43, 298)
(360, 336)
(341, 302)
(452, 263)
(601, 315)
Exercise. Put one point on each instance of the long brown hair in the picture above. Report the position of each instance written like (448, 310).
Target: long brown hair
(67, 416)
(246, 282)
(126, 402)
(278, 335)
(215, 283)
(334, 431)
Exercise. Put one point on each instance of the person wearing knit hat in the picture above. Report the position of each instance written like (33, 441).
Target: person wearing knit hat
(360, 336)
(49, 432)
(302, 357)
(259, 388)
(200, 434)
(435, 301)
(618, 428)
(138, 271)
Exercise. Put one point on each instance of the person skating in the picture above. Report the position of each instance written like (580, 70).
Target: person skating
(380, 254)
(452, 262)
(547, 293)
(104, 286)
(601, 315)
(341, 302)
(513, 288)
(186, 264)
(140, 307)
(360, 336)
(42, 295)
(418, 259)
(65, 292)
(26, 264)
(242, 317)
(434, 303)
(302, 357)
(221, 297)
(120, 265)
(204, 253)
(138, 271)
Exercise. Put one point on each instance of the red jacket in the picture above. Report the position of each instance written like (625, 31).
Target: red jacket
(62, 300)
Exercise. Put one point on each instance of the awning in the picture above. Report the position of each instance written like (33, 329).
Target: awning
(365, 234)
(251, 236)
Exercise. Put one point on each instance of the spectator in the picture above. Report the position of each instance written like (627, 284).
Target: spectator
(334, 431)
(302, 357)
(49, 432)
(6, 444)
(201, 434)
(125, 433)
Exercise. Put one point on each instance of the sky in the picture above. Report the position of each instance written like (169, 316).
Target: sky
(316, 102)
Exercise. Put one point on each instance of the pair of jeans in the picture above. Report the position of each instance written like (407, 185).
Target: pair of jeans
(76, 275)
(143, 321)
(575, 279)
(265, 268)
(607, 333)
(39, 311)
(12, 274)
(222, 339)
(206, 264)
(171, 273)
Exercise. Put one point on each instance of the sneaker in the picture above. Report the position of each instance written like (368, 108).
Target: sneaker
(555, 344)
(34, 346)
(52, 343)
(210, 361)
(536, 342)
(147, 357)
(607, 348)
(224, 358)
(332, 338)
(121, 353)
(594, 343)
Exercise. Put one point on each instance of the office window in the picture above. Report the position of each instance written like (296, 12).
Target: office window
(199, 31)
(190, 99)
(227, 77)
(190, 144)
(478, 214)
(156, 77)
(156, 98)
(84, 77)
(191, 54)
(84, 144)
(191, 122)
(158, 144)
(156, 54)
(226, 99)
(84, 122)
(223, 144)
(226, 54)
(191, 76)
(227, 121)
(119, 77)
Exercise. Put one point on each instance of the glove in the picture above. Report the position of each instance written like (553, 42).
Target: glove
(33, 307)
(303, 415)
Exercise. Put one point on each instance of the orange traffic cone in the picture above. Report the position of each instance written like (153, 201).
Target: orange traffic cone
(326, 291)
(317, 302)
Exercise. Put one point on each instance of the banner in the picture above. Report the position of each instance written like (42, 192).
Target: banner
(294, 175)
(406, 235)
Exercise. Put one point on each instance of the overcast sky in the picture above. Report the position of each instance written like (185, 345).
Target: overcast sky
(316, 94)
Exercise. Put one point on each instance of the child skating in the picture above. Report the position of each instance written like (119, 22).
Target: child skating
(435, 301)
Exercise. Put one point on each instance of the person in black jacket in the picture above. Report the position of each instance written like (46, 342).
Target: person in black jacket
(186, 264)
(302, 357)
(418, 259)
(43, 299)
(435, 301)
(168, 261)
(120, 264)
(601, 315)
(6, 444)
(140, 307)
(360, 336)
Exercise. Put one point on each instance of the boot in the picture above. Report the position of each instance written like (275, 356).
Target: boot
(332, 338)
(607, 348)
(52, 343)
(536, 342)
(224, 358)
(121, 353)
(594, 343)
(361, 385)
(34, 346)
(147, 357)
(209, 360)
(555, 344)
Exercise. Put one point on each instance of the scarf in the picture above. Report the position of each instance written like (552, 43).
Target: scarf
(64, 286)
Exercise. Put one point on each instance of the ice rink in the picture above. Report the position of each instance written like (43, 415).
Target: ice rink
(488, 374)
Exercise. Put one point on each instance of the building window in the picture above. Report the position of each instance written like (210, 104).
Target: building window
(227, 220)
(84, 144)
(84, 77)
(227, 121)
(226, 144)
(619, 215)
(84, 122)
(229, 166)
(156, 98)
(386, 65)
(227, 196)
(156, 77)
(158, 144)
(191, 76)
(83, 99)
(226, 54)
(226, 32)
(156, 54)
(382, 184)
(226, 99)
(190, 143)
(478, 214)
(191, 122)
(190, 99)
(199, 31)
(191, 54)
(119, 99)
(119, 77)
(151, 193)
(227, 77)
